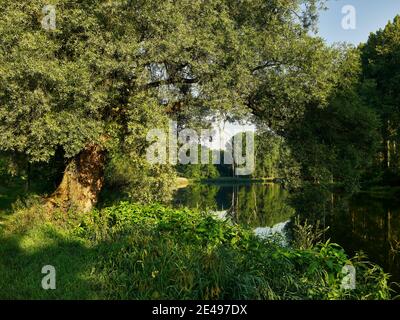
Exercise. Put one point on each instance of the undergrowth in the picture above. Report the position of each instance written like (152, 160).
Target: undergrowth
(132, 251)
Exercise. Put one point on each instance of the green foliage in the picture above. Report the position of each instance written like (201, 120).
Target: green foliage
(199, 171)
(132, 177)
(110, 71)
(131, 251)
(82, 80)
(274, 158)
(306, 235)
(337, 143)
(381, 80)
(267, 155)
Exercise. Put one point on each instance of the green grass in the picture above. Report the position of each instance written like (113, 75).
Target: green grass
(151, 252)
(9, 194)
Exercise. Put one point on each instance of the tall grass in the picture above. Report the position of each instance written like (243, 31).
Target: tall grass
(132, 251)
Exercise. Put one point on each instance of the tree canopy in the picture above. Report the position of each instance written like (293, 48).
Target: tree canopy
(111, 70)
(381, 81)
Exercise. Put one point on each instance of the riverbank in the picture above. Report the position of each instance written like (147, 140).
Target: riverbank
(237, 180)
(182, 182)
(130, 251)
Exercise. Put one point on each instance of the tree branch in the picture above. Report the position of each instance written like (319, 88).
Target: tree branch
(158, 83)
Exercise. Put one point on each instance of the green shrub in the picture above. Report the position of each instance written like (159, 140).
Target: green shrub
(164, 253)
(132, 251)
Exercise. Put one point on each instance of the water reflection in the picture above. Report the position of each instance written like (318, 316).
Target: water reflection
(252, 205)
(368, 224)
(358, 223)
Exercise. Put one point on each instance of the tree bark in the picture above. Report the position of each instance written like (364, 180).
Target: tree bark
(82, 181)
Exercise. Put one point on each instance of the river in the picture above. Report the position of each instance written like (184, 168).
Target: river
(359, 223)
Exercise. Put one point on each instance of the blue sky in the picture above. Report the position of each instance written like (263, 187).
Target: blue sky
(371, 15)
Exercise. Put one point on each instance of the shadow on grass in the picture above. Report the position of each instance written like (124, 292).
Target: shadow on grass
(8, 195)
(21, 262)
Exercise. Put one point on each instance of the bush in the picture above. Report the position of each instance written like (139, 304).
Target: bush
(132, 251)
(162, 253)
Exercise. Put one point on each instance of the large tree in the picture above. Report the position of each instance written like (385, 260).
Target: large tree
(381, 77)
(337, 143)
(110, 70)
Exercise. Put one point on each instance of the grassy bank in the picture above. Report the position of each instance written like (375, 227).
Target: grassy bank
(151, 252)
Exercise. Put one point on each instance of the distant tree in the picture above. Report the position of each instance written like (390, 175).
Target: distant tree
(199, 170)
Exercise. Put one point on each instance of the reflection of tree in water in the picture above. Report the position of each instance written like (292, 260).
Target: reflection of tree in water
(197, 196)
(259, 205)
(358, 223)
(374, 225)
(253, 205)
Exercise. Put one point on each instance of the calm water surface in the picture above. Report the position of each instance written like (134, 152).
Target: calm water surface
(361, 223)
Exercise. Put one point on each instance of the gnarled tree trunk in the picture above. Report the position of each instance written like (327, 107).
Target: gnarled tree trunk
(82, 181)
